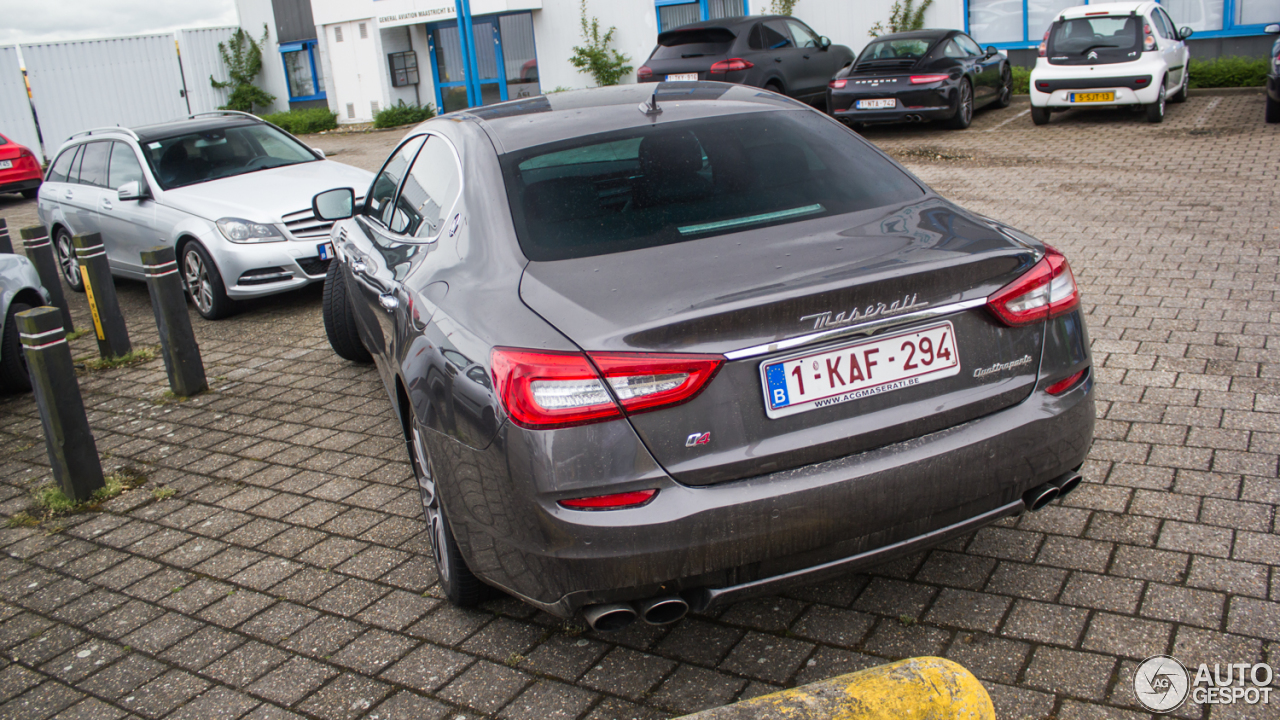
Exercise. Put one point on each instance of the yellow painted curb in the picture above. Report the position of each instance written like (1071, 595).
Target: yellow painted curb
(926, 688)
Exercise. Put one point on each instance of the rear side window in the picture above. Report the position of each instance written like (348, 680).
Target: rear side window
(93, 167)
(430, 190)
(381, 202)
(1106, 35)
(659, 185)
(773, 35)
(124, 167)
(58, 170)
(695, 42)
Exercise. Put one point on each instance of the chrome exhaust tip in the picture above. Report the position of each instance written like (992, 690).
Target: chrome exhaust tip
(607, 618)
(1071, 483)
(1038, 497)
(663, 610)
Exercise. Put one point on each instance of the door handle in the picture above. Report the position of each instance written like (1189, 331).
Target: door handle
(777, 59)
(388, 302)
(68, 194)
(806, 57)
(359, 267)
(106, 204)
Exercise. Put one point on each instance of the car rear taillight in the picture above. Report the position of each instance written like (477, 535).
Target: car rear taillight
(1046, 290)
(644, 73)
(837, 84)
(731, 65)
(1064, 384)
(615, 501)
(1044, 44)
(542, 389)
(922, 79)
(1149, 39)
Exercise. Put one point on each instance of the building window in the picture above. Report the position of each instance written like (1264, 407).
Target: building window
(364, 31)
(337, 33)
(1022, 23)
(302, 71)
(674, 13)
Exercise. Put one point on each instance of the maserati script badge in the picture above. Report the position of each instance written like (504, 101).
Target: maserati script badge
(831, 319)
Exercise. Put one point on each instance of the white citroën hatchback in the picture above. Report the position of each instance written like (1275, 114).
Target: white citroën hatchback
(1110, 54)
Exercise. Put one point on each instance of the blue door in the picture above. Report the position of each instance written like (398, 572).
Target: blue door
(467, 76)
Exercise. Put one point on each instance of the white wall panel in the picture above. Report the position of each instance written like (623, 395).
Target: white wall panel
(126, 81)
(16, 121)
(200, 59)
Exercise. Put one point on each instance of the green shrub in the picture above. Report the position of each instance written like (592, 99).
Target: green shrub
(603, 63)
(1021, 80)
(401, 114)
(303, 122)
(1227, 72)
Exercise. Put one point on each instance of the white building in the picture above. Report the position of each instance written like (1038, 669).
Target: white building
(358, 56)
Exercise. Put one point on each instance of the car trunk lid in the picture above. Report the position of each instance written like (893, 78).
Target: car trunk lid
(690, 50)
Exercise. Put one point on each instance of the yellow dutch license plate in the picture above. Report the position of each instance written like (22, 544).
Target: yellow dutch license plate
(1093, 97)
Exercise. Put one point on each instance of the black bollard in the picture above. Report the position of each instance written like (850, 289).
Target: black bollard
(67, 437)
(6, 245)
(35, 240)
(100, 290)
(177, 339)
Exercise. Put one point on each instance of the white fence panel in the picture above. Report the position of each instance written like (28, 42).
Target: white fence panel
(16, 121)
(200, 59)
(125, 81)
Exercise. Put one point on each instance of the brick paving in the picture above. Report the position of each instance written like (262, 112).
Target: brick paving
(288, 576)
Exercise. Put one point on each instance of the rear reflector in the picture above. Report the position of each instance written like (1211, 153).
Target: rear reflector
(1046, 290)
(543, 390)
(731, 65)
(1066, 383)
(922, 79)
(616, 501)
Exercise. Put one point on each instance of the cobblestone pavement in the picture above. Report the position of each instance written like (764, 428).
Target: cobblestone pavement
(288, 575)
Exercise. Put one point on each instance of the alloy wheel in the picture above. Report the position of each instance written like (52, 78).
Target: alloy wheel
(196, 276)
(430, 505)
(966, 102)
(1006, 90)
(67, 260)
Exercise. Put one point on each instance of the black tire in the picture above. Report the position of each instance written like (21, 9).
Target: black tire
(774, 86)
(31, 193)
(1155, 111)
(964, 107)
(1273, 111)
(13, 364)
(340, 320)
(459, 585)
(1006, 89)
(67, 263)
(1040, 115)
(203, 282)
(1180, 95)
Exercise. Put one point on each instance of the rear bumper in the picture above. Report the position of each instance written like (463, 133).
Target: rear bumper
(1129, 89)
(12, 185)
(723, 542)
(928, 104)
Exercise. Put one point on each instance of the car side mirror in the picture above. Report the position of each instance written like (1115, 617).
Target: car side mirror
(1272, 29)
(992, 51)
(337, 204)
(318, 151)
(133, 190)
(824, 42)
(1186, 32)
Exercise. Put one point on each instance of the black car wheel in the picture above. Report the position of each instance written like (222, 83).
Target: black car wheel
(1155, 111)
(1006, 89)
(1180, 96)
(964, 108)
(340, 319)
(204, 283)
(460, 586)
(774, 86)
(1040, 115)
(67, 262)
(1273, 110)
(13, 364)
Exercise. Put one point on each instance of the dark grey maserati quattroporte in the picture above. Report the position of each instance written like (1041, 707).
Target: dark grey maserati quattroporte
(660, 352)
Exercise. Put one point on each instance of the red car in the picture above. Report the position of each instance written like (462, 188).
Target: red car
(19, 169)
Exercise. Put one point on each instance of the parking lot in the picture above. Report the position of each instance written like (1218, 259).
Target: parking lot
(288, 575)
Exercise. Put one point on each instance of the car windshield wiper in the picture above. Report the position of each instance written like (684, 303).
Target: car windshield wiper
(1095, 47)
(693, 55)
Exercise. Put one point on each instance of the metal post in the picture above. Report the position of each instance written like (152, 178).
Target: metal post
(177, 339)
(68, 439)
(100, 290)
(6, 245)
(39, 249)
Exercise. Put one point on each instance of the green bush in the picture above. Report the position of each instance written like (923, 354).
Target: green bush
(1225, 72)
(304, 122)
(401, 114)
(1021, 80)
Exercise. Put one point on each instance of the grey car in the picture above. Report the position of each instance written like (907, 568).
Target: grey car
(20, 290)
(228, 191)
(726, 346)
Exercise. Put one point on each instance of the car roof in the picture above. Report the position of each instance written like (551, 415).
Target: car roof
(931, 34)
(728, 23)
(191, 125)
(1117, 8)
(543, 119)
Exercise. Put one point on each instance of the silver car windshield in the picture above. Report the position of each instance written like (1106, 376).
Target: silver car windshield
(199, 157)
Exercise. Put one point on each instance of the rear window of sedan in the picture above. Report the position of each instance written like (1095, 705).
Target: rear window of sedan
(670, 183)
(1105, 34)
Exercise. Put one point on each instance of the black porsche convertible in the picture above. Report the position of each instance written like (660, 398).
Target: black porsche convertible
(920, 76)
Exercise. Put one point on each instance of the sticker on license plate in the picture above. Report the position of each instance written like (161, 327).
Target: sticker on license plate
(682, 76)
(877, 104)
(819, 379)
(325, 250)
(6, 164)
(1093, 97)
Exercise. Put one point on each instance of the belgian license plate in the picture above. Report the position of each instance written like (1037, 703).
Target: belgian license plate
(1093, 97)
(325, 251)
(6, 164)
(819, 379)
(682, 76)
(877, 104)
